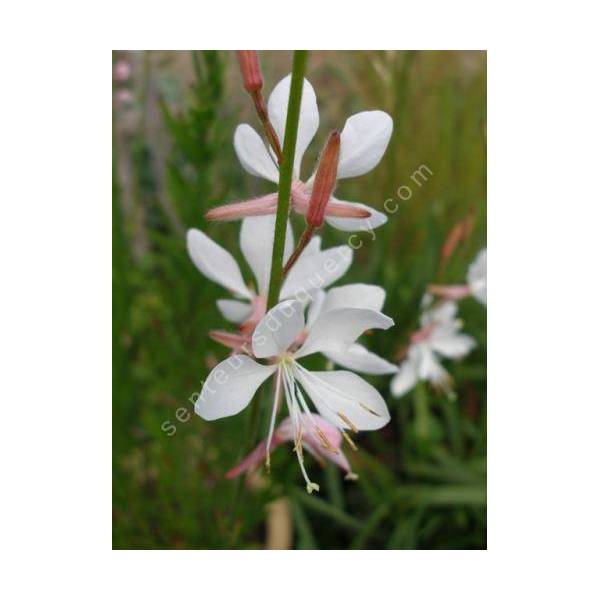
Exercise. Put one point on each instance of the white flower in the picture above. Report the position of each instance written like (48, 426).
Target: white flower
(363, 142)
(341, 397)
(476, 282)
(477, 277)
(315, 268)
(355, 295)
(438, 337)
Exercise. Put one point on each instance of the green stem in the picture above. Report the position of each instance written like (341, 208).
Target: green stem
(285, 174)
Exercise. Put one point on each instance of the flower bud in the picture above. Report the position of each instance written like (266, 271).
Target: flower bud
(324, 181)
(250, 69)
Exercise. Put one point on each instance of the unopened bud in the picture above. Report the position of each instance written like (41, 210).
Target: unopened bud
(324, 181)
(250, 69)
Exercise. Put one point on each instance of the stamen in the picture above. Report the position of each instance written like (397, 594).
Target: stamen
(369, 410)
(288, 381)
(273, 415)
(350, 442)
(351, 476)
(326, 443)
(333, 390)
(298, 445)
(348, 422)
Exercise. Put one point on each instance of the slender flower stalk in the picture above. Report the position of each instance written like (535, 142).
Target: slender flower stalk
(285, 176)
(253, 83)
(325, 179)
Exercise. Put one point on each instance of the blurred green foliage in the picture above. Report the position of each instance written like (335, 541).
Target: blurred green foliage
(423, 477)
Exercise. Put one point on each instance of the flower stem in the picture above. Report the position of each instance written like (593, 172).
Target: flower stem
(285, 174)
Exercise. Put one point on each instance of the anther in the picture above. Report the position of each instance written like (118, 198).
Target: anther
(326, 443)
(350, 442)
(369, 410)
(348, 422)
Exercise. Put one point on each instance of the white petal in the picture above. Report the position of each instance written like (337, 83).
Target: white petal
(313, 246)
(234, 310)
(355, 295)
(278, 329)
(477, 277)
(335, 330)
(316, 270)
(252, 153)
(230, 386)
(358, 358)
(309, 116)
(428, 366)
(480, 292)
(363, 141)
(442, 313)
(256, 242)
(451, 344)
(335, 392)
(356, 224)
(216, 263)
(405, 380)
(314, 310)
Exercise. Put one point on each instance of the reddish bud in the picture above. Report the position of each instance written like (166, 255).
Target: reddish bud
(452, 240)
(265, 205)
(459, 234)
(250, 69)
(450, 292)
(324, 181)
(237, 342)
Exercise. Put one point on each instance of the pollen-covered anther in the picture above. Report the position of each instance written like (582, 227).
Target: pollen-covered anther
(348, 422)
(369, 410)
(351, 476)
(326, 443)
(350, 441)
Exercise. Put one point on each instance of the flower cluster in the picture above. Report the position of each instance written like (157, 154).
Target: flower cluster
(439, 335)
(271, 342)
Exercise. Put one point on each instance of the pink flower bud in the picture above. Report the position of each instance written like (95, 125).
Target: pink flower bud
(324, 181)
(265, 205)
(450, 292)
(250, 69)
(237, 342)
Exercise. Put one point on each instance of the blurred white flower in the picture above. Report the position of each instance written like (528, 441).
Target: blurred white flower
(476, 282)
(315, 268)
(343, 398)
(363, 142)
(477, 277)
(438, 337)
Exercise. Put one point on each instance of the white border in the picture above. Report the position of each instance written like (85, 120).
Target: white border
(543, 216)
